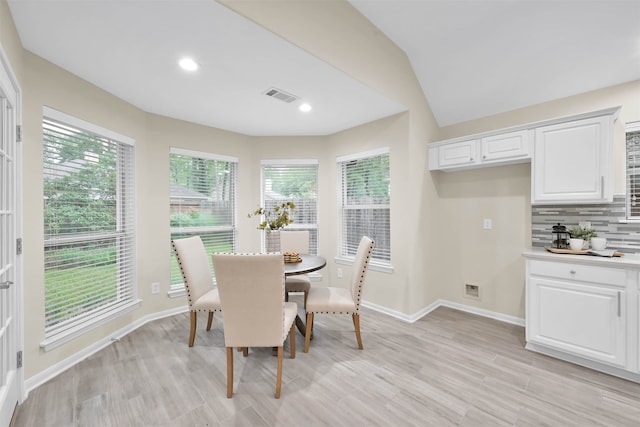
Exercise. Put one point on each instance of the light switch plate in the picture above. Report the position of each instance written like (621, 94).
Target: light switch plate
(488, 225)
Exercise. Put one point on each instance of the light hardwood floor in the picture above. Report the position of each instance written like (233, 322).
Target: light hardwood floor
(449, 368)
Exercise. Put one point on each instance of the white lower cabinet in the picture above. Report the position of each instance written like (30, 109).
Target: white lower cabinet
(578, 318)
(584, 311)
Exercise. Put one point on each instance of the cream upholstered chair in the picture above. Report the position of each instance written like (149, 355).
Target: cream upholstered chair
(340, 300)
(296, 241)
(198, 281)
(255, 313)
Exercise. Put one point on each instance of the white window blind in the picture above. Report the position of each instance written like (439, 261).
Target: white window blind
(365, 203)
(633, 170)
(89, 224)
(295, 181)
(202, 202)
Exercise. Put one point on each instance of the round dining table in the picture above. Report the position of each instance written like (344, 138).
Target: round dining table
(308, 264)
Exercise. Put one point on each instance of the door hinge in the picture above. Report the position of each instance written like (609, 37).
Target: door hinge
(18, 133)
(19, 359)
(19, 246)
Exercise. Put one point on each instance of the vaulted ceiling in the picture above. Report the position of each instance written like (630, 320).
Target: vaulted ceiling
(472, 58)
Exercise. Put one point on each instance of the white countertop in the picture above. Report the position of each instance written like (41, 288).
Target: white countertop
(628, 260)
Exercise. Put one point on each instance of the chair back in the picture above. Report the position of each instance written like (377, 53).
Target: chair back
(251, 290)
(361, 262)
(194, 266)
(294, 241)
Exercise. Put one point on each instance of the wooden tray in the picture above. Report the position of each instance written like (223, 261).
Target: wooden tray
(572, 252)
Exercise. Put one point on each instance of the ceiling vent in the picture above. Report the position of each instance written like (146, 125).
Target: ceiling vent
(281, 95)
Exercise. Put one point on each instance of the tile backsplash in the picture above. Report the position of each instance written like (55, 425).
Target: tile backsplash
(605, 219)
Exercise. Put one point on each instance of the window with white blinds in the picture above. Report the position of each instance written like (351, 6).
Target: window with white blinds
(202, 202)
(633, 170)
(293, 181)
(89, 224)
(365, 203)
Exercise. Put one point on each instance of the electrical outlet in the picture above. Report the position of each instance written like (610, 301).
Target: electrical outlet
(155, 288)
(339, 273)
(488, 225)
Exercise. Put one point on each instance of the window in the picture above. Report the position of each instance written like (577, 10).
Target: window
(89, 220)
(202, 202)
(295, 181)
(633, 170)
(364, 204)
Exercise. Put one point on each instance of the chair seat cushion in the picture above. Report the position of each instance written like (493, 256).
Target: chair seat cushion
(330, 300)
(299, 283)
(209, 301)
(290, 313)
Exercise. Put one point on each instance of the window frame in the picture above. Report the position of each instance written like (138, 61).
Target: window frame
(377, 264)
(631, 127)
(126, 229)
(293, 163)
(178, 289)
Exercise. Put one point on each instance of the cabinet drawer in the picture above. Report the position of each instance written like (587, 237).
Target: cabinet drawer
(579, 272)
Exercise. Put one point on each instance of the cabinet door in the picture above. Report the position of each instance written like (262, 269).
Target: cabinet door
(458, 154)
(507, 146)
(572, 162)
(584, 320)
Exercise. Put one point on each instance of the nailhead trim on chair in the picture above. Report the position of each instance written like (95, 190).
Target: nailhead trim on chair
(186, 285)
(360, 283)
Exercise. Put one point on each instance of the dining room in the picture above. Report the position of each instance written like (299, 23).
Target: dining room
(429, 351)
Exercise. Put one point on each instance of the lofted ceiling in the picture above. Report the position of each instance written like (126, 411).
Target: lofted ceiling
(472, 58)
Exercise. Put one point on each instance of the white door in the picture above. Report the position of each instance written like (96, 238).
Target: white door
(10, 314)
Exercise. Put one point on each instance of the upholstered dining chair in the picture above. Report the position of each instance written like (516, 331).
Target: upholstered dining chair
(331, 300)
(202, 295)
(255, 313)
(296, 241)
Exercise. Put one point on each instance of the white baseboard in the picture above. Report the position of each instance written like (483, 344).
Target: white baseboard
(70, 361)
(444, 303)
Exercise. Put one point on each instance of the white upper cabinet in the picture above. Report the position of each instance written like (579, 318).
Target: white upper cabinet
(572, 162)
(484, 151)
(458, 154)
(510, 146)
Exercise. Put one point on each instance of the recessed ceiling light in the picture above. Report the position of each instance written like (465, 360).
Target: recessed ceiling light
(305, 108)
(188, 64)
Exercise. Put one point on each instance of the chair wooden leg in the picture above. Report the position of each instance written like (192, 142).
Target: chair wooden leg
(307, 335)
(306, 294)
(279, 373)
(245, 351)
(192, 331)
(209, 320)
(356, 324)
(229, 372)
(292, 341)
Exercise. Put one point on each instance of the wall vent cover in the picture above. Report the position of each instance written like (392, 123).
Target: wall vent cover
(281, 95)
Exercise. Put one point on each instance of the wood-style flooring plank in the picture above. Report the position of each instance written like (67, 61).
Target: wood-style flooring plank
(450, 368)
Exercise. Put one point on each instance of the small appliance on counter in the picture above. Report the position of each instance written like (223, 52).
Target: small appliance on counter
(560, 237)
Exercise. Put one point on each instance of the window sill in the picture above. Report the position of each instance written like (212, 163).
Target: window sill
(74, 332)
(373, 265)
(177, 292)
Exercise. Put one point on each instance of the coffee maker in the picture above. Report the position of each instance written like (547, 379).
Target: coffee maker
(560, 237)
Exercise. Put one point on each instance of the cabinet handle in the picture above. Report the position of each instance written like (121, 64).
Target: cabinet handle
(602, 187)
(484, 156)
(572, 271)
(619, 298)
(471, 159)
